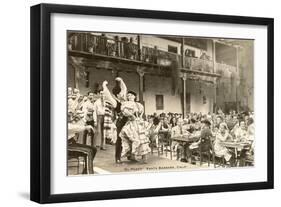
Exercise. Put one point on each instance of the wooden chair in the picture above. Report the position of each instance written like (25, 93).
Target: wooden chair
(249, 161)
(221, 161)
(204, 148)
(215, 156)
(74, 157)
(164, 143)
(73, 154)
(153, 145)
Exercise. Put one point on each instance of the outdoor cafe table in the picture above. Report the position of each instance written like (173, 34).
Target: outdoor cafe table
(237, 146)
(184, 139)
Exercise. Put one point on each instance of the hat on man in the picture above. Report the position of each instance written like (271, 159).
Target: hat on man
(75, 90)
(207, 122)
(132, 92)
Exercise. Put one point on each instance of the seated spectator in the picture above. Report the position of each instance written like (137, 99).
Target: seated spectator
(248, 153)
(164, 130)
(240, 132)
(154, 131)
(219, 120)
(205, 138)
(173, 122)
(165, 125)
(251, 129)
(88, 152)
(222, 136)
(232, 121)
(192, 124)
(178, 131)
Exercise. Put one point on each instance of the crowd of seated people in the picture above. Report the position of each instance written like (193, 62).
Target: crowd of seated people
(85, 120)
(219, 128)
(79, 121)
(212, 128)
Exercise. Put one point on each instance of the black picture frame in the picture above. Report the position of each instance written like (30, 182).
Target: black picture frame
(41, 99)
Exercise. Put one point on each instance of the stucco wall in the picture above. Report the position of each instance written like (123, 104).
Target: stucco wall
(159, 85)
(197, 90)
(153, 85)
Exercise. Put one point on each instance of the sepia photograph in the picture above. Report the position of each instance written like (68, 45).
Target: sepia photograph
(143, 103)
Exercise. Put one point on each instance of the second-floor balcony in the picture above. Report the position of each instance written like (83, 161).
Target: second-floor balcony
(127, 49)
(198, 64)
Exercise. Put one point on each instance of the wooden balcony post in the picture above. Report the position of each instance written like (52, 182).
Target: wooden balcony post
(184, 77)
(182, 53)
(140, 71)
(214, 56)
(76, 71)
(139, 47)
(237, 60)
(237, 72)
(214, 71)
(215, 96)
(118, 46)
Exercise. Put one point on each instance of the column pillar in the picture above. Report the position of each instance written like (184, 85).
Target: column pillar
(75, 77)
(182, 53)
(237, 75)
(215, 96)
(139, 47)
(214, 71)
(214, 56)
(183, 76)
(140, 71)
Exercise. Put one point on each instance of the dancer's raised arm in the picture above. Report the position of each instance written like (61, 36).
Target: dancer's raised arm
(123, 93)
(107, 95)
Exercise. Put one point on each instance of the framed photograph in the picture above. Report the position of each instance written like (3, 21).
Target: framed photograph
(133, 103)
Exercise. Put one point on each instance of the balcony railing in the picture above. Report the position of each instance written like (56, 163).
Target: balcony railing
(127, 49)
(103, 45)
(159, 57)
(199, 64)
(221, 68)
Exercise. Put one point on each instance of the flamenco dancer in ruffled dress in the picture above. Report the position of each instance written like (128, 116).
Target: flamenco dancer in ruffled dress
(132, 139)
(135, 141)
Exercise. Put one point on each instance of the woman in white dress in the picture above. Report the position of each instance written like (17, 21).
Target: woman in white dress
(221, 136)
(135, 142)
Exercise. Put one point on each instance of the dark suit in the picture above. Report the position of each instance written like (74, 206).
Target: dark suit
(121, 121)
